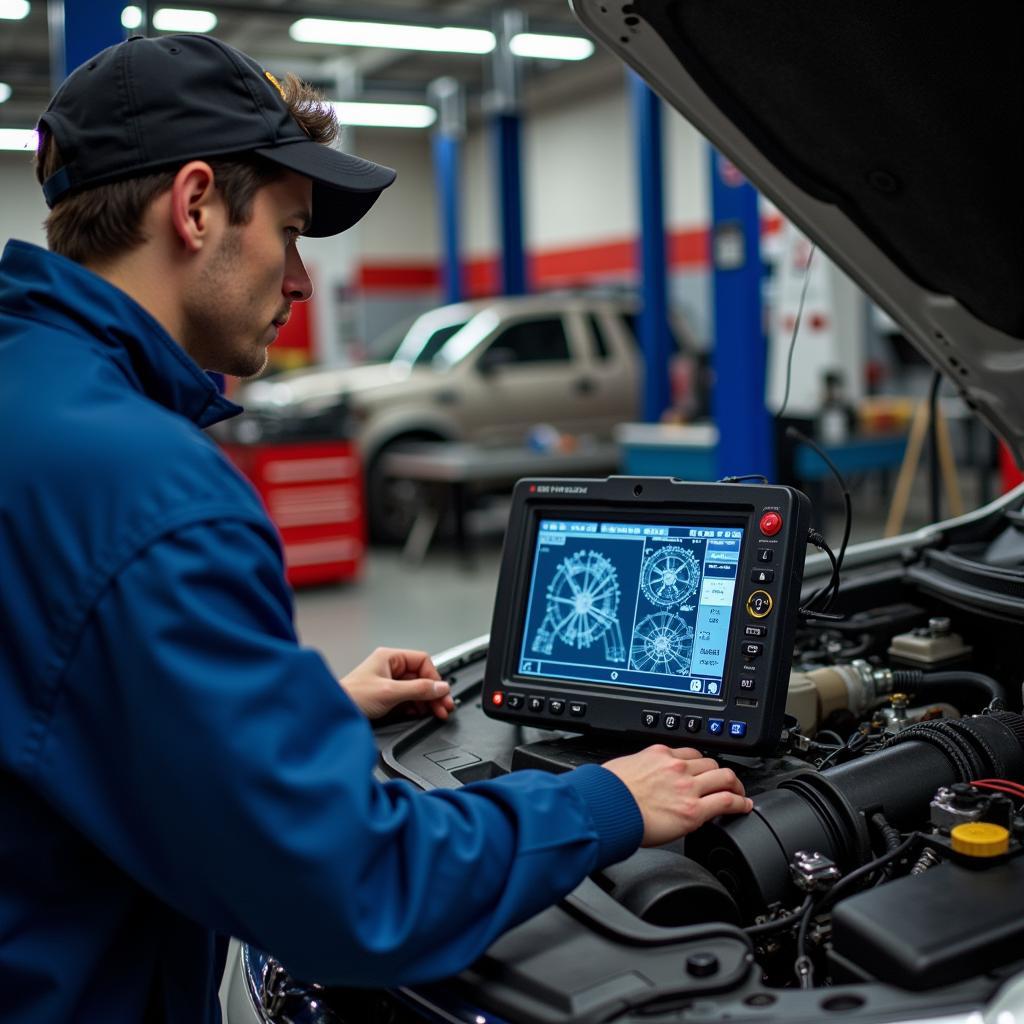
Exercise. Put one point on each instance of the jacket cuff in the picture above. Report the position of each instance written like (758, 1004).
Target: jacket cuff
(614, 812)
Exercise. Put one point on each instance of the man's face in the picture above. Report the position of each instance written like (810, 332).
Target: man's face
(243, 289)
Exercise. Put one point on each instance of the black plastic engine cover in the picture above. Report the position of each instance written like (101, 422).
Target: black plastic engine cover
(935, 929)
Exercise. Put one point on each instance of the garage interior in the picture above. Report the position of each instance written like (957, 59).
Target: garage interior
(568, 280)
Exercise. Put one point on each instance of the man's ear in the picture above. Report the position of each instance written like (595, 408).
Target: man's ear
(194, 198)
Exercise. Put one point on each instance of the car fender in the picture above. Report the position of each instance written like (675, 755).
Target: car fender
(398, 423)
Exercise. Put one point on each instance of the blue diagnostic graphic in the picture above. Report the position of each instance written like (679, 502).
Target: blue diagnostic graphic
(631, 604)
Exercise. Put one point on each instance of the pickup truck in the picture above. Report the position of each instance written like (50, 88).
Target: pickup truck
(484, 371)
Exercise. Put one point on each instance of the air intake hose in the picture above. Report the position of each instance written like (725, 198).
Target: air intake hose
(828, 811)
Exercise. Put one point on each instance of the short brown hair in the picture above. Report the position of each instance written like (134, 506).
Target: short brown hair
(101, 223)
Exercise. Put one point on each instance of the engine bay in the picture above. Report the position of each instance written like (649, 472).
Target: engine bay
(879, 874)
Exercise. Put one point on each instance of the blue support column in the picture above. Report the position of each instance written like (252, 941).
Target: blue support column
(510, 203)
(745, 429)
(446, 176)
(504, 103)
(655, 339)
(79, 29)
(451, 126)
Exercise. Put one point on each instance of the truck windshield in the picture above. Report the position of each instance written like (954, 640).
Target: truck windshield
(425, 337)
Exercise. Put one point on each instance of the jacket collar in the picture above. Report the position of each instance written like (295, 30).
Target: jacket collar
(44, 286)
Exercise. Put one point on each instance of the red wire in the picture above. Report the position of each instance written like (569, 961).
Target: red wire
(1000, 782)
(1002, 786)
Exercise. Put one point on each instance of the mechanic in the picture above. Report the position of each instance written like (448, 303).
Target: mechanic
(174, 767)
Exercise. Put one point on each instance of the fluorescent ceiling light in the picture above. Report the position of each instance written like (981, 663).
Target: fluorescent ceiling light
(386, 115)
(131, 17)
(18, 138)
(5, 92)
(14, 10)
(179, 19)
(392, 37)
(529, 44)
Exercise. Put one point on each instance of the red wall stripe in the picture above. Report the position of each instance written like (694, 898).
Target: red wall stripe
(687, 249)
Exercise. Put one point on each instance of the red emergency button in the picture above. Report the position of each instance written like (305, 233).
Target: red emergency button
(497, 698)
(771, 523)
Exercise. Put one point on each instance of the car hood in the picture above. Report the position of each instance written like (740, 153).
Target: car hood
(889, 133)
(310, 389)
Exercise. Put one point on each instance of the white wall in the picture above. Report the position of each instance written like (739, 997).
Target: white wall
(579, 174)
(579, 177)
(479, 208)
(22, 209)
(687, 190)
(403, 225)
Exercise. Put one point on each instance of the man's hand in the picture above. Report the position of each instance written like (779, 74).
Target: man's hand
(390, 677)
(677, 790)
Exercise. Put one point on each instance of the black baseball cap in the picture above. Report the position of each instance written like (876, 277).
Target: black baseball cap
(145, 104)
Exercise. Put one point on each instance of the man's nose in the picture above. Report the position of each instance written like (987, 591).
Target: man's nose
(296, 286)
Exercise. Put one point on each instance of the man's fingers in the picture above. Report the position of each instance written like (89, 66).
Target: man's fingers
(701, 765)
(419, 689)
(719, 779)
(724, 803)
(414, 664)
(685, 753)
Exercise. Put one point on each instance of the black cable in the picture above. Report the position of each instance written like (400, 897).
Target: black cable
(933, 446)
(796, 330)
(804, 439)
(780, 923)
(830, 588)
(760, 477)
(891, 837)
(853, 877)
(839, 741)
(804, 967)
(856, 742)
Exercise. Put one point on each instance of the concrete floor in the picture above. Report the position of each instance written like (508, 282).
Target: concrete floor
(431, 606)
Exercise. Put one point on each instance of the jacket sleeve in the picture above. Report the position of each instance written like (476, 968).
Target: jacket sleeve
(221, 765)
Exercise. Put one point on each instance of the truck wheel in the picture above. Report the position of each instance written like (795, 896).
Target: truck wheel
(392, 505)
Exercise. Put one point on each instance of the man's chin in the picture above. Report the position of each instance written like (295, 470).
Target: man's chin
(255, 371)
(244, 369)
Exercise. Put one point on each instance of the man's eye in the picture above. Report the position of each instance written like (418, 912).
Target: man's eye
(291, 235)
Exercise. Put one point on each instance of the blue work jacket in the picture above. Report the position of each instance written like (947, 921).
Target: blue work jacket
(174, 767)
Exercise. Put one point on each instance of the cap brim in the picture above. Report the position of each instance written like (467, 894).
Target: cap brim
(344, 186)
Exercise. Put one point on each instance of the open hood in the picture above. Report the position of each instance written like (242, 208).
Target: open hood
(891, 134)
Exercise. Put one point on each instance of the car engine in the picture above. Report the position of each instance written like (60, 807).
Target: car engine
(879, 876)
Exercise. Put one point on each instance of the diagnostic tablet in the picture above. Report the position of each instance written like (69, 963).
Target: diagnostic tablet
(649, 606)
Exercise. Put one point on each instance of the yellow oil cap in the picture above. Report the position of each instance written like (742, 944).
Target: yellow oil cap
(980, 839)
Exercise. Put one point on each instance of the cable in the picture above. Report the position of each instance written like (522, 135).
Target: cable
(862, 872)
(760, 477)
(890, 836)
(1002, 785)
(804, 439)
(804, 966)
(796, 329)
(831, 588)
(933, 446)
(780, 923)
(838, 741)
(856, 742)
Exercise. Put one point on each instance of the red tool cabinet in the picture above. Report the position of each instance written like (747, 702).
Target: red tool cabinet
(313, 493)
